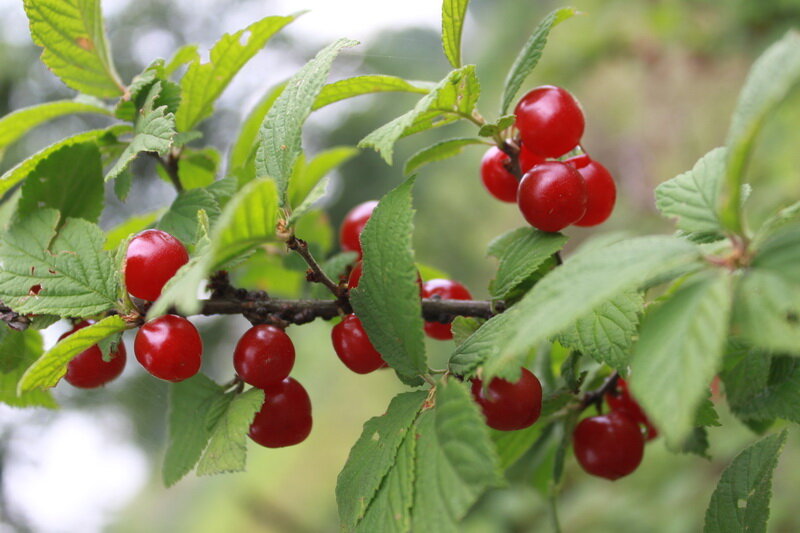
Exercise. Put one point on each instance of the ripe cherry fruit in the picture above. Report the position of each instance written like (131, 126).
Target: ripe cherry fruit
(264, 356)
(621, 401)
(169, 347)
(285, 416)
(550, 121)
(552, 196)
(354, 347)
(600, 188)
(87, 370)
(496, 177)
(353, 225)
(528, 160)
(509, 406)
(152, 259)
(609, 446)
(443, 289)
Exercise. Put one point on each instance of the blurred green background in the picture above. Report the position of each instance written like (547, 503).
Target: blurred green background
(657, 79)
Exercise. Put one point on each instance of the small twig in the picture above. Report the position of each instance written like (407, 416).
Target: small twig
(315, 273)
(595, 397)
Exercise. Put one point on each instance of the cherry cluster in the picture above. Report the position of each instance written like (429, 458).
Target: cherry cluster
(554, 191)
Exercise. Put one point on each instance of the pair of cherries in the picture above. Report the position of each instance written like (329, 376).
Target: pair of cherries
(551, 194)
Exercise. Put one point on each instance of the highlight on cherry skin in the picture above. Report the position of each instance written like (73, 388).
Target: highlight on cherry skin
(351, 344)
(264, 356)
(444, 289)
(152, 258)
(550, 121)
(88, 370)
(285, 416)
(353, 224)
(610, 446)
(169, 347)
(509, 406)
(552, 196)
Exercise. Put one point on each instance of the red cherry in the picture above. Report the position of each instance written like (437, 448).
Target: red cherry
(496, 178)
(621, 401)
(264, 356)
(355, 276)
(87, 370)
(353, 225)
(508, 406)
(609, 446)
(285, 416)
(528, 160)
(552, 196)
(354, 347)
(444, 289)
(152, 259)
(169, 347)
(550, 121)
(600, 187)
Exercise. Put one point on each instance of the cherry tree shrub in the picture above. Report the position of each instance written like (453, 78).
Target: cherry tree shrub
(602, 351)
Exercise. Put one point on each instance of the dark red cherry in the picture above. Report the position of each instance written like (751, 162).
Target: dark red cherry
(169, 347)
(600, 187)
(87, 370)
(552, 196)
(550, 121)
(285, 416)
(353, 225)
(507, 405)
(528, 160)
(354, 347)
(495, 175)
(355, 276)
(609, 446)
(621, 401)
(152, 259)
(443, 289)
(264, 356)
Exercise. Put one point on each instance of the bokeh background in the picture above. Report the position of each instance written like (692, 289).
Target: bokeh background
(657, 79)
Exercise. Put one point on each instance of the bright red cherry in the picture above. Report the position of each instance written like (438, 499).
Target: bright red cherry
(552, 196)
(621, 401)
(444, 289)
(528, 160)
(264, 356)
(495, 175)
(87, 370)
(152, 259)
(509, 406)
(353, 225)
(169, 347)
(285, 416)
(609, 446)
(354, 347)
(550, 121)
(600, 187)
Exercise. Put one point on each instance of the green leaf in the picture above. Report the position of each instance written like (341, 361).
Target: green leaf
(243, 150)
(181, 290)
(22, 169)
(771, 78)
(691, 197)
(787, 215)
(52, 365)
(198, 168)
(387, 298)
(521, 252)
(453, 14)
(227, 446)
(373, 456)
(497, 128)
(74, 41)
(64, 272)
(456, 460)
(183, 55)
(307, 204)
(451, 99)
(203, 83)
(180, 220)
(679, 352)
(168, 94)
(189, 403)
(369, 84)
(14, 125)
(766, 311)
(740, 502)
(439, 151)
(281, 132)
(116, 235)
(780, 253)
(571, 291)
(18, 350)
(306, 175)
(154, 131)
(772, 390)
(70, 173)
(606, 334)
(530, 54)
(463, 326)
(511, 445)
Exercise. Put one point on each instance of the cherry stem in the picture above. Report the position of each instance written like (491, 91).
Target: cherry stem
(170, 165)
(315, 272)
(595, 397)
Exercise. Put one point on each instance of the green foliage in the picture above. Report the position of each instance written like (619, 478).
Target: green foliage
(530, 54)
(453, 14)
(741, 500)
(180, 220)
(280, 133)
(368, 84)
(242, 152)
(307, 175)
(203, 83)
(73, 36)
(18, 350)
(766, 310)
(387, 298)
(493, 129)
(437, 152)
(451, 99)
